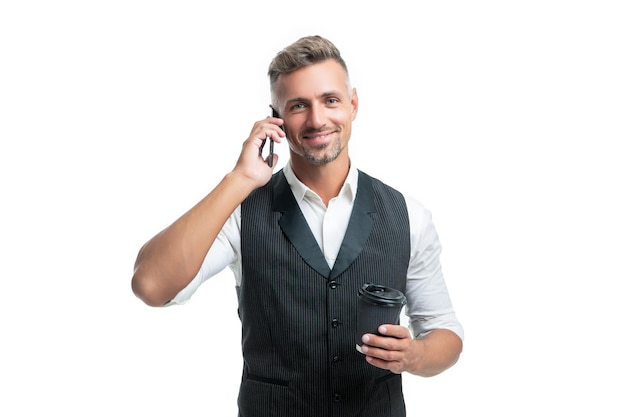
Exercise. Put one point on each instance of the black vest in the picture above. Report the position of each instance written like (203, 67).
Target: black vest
(299, 316)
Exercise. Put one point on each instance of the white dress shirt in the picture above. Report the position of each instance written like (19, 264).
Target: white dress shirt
(428, 302)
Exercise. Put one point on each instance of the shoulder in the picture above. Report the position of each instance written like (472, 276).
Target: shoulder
(368, 181)
(419, 216)
(412, 203)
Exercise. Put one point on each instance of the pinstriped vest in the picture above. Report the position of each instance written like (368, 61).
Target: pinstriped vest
(299, 316)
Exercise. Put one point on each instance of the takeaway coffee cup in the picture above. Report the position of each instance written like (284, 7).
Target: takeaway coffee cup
(377, 305)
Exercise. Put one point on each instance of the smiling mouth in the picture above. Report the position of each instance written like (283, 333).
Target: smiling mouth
(319, 136)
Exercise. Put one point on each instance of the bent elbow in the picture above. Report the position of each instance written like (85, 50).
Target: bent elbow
(147, 290)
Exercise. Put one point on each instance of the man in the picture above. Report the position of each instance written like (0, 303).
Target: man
(301, 242)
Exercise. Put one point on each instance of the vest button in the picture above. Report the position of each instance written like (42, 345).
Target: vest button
(333, 285)
(336, 360)
(337, 397)
(335, 323)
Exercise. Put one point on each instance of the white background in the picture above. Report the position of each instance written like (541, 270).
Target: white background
(506, 119)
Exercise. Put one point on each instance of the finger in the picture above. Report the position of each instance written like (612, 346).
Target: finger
(393, 366)
(265, 128)
(382, 345)
(378, 345)
(377, 362)
(384, 359)
(393, 330)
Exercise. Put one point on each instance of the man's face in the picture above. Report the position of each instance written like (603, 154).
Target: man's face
(318, 111)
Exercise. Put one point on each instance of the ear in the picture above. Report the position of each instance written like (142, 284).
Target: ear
(354, 102)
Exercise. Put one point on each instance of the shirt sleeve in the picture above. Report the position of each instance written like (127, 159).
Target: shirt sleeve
(428, 303)
(224, 252)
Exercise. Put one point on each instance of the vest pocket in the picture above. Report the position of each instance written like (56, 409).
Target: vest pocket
(263, 397)
(265, 380)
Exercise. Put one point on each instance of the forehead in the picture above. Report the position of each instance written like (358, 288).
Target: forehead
(313, 81)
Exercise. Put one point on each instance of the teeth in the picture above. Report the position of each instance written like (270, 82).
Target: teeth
(319, 136)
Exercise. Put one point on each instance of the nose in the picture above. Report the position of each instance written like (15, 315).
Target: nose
(316, 116)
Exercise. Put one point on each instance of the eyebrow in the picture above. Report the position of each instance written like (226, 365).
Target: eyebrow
(306, 100)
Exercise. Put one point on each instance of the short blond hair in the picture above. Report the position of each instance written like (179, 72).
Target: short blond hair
(305, 51)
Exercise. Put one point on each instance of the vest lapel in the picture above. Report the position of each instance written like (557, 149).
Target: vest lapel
(295, 227)
(359, 227)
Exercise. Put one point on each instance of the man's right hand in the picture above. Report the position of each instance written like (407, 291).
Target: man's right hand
(170, 260)
(251, 164)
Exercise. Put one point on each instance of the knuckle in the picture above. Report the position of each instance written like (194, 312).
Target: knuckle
(387, 355)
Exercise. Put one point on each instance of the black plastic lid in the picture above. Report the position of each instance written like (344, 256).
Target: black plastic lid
(381, 295)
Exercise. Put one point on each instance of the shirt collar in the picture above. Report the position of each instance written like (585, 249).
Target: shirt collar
(300, 191)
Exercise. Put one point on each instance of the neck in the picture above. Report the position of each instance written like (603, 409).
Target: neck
(325, 180)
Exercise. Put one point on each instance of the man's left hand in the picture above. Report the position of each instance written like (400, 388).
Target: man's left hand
(395, 350)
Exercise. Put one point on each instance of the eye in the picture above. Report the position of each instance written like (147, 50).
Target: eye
(332, 101)
(298, 106)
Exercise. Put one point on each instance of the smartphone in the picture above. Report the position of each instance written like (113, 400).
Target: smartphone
(270, 158)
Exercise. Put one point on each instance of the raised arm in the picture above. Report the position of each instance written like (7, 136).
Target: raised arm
(170, 260)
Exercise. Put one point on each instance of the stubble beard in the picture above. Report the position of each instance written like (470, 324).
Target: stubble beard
(323, 154)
